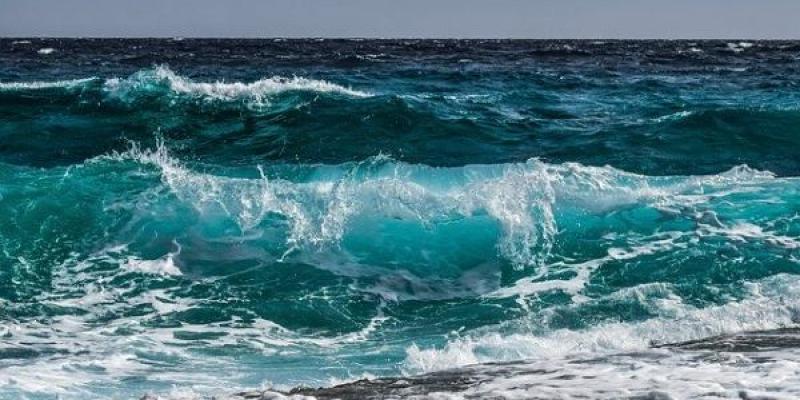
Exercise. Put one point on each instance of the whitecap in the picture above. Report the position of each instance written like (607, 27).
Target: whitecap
(35, 85)
(674, 116)
(256, 93)
(520, 198)
(164, 266)
(772, 304)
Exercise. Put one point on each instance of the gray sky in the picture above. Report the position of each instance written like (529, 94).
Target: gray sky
(404, 18)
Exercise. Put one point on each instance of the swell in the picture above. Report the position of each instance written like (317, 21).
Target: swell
(41, 85)
(138, 256)
(306, 121)
(526, 216)
(255, 94)
(521, 196)
(162, 83)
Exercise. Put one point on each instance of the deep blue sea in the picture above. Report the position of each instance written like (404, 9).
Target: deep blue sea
(195, 218)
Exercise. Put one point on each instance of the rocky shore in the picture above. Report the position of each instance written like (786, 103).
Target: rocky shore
(520, 379)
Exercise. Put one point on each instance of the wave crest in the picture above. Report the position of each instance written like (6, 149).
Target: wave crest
(325, 203)
(769, 306)
(162, 83)
(255, 93)
(38, 85)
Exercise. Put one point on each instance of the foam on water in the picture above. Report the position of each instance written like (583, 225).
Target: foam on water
(522, 198)
(251, 239)
(163, 266)
(772, 304)
(319, 210)
(646, 375)
(255, 93)
(162, 83)
(322, 207)
(65, 84)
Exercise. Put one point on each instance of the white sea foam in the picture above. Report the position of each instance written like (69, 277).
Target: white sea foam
(163, 266)
(653, 375)
(674, 116)
(95, 355)
(257, 92)
(161, 82)
(521, 198)
(742, 231)
(740, 46)
(647, 375)
(46, 50)
(34, 85)
(773, 304)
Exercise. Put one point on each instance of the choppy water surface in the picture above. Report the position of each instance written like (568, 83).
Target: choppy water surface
(189, 218)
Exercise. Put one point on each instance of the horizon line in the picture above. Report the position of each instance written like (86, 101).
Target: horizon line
(180, 37)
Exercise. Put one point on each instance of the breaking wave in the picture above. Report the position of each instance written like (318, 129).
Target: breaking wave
(161, 81)
(519, 200)
(545, 216)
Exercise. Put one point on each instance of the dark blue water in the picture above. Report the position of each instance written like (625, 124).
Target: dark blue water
(197, 217)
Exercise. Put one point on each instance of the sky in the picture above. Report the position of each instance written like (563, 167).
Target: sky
(669, 19)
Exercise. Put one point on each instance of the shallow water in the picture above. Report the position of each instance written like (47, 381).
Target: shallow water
(200, 217)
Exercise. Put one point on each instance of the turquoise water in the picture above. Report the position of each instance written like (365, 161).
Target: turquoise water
(274, 214)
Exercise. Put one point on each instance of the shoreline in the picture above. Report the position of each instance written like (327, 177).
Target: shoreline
(458, 381)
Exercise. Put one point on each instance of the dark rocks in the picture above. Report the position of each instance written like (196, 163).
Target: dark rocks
(743, 342)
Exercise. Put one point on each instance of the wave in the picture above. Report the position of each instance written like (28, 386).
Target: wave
(383, 235)
(254, 93)
(320, 209)
(301, 120)
(325, 204)
(461, 203)
(38, 85)
(363, 217)
(770, 304)
(162, 81)
(649, 374)
(306, 120)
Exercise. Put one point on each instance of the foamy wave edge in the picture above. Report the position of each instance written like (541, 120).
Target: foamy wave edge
(520, 197)
(37, 85)
(148, 80)
(770, 305)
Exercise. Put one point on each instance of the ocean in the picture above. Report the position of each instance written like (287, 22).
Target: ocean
(442, 219)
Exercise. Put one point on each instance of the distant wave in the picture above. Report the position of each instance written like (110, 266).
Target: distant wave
(256, 92)
(162, 81)
(37, 85)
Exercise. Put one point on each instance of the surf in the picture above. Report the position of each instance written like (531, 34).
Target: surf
(492, 218)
